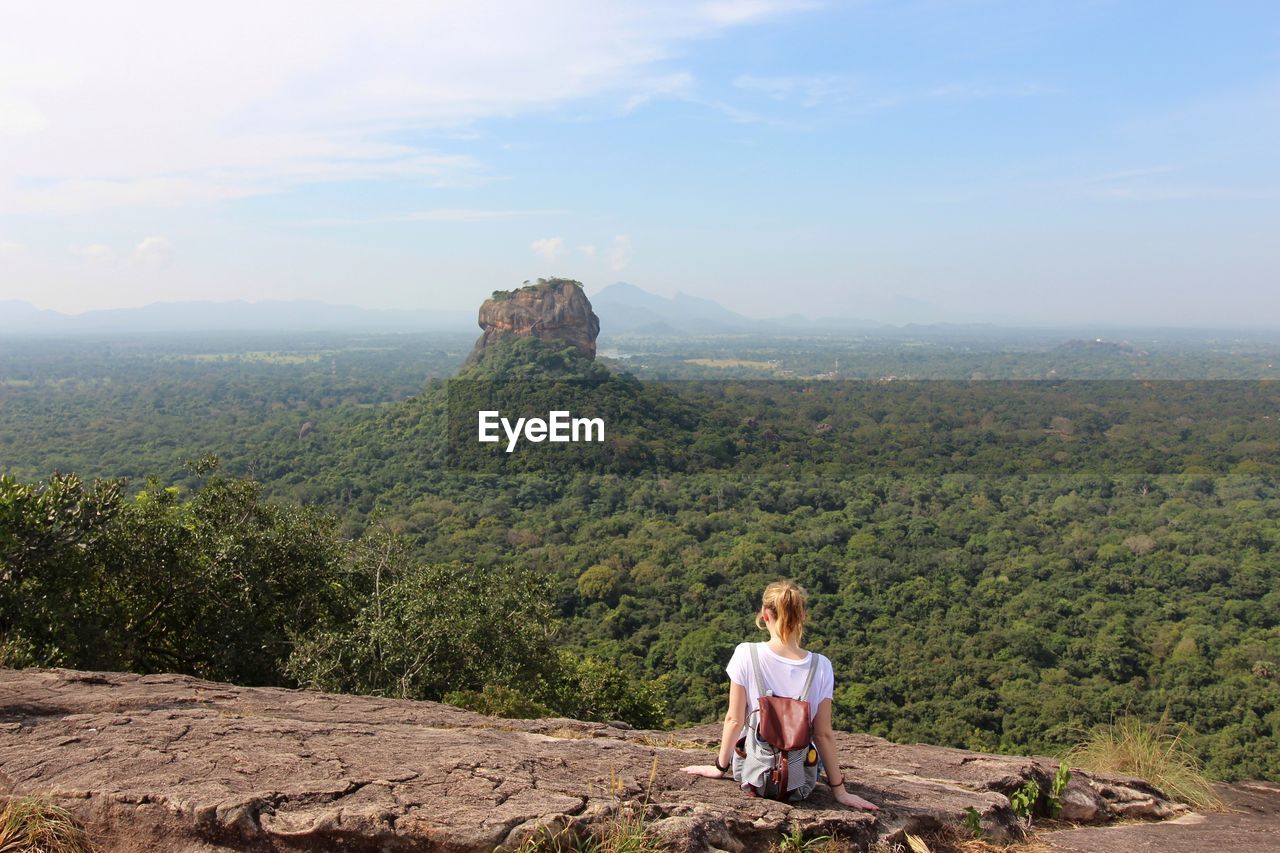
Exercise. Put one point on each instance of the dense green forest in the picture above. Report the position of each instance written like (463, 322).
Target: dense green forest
(140, 407)
(992, 564)
(958, 352)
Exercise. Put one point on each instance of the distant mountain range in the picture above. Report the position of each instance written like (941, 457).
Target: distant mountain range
(623, 309)
(178, 317)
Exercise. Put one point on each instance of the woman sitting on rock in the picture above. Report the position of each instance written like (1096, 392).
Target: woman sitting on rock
(779, 669)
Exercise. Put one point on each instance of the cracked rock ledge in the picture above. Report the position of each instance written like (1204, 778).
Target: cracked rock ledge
(174, 763)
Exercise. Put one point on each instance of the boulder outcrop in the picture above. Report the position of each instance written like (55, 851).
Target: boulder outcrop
(551, 309)
(174, 763)
(1249, 822)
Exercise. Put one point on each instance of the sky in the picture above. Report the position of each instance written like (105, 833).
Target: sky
(1023, 161)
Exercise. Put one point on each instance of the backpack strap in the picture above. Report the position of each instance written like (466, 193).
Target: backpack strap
(760, 686)
(755, 665)
(808, 679)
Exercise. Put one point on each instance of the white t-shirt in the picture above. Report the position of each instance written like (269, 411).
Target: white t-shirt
(785, 677)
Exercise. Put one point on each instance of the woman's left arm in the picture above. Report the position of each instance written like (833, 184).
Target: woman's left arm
(824, 738)
(733, 722)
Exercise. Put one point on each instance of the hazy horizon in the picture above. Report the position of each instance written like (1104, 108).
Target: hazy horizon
(1011, 163)
(372, 319)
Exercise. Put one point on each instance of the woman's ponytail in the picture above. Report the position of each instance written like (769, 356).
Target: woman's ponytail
(785, 600)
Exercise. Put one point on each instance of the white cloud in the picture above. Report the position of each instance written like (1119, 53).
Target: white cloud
(437, 215)
(17, 117)
(1128, 174)
(817, 90)
(96, 252)
(153, 252)
(549, 248)
(971, 91)
(588, 250)
(671, 85)
(619, 254)
(1189, 192)
(740, 11)
(1163, 183)
(809, 90)
(156, 103)
(8, 247)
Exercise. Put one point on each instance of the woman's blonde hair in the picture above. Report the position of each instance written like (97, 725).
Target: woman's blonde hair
(786, 601)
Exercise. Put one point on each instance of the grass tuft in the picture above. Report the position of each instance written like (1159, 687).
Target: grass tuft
(35, 825)
(954, 839)
(795, 842)
(626, 831)
(674, 742)
(1156, 752)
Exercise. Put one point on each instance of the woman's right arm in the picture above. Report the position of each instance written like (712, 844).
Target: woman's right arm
(733, 722)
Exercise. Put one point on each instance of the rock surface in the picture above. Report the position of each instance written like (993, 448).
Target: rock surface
(551, 309)
(173, 763)
(1250, 825)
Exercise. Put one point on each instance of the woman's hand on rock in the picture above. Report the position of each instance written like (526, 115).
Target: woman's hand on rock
(707, 770)
(853, 801)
